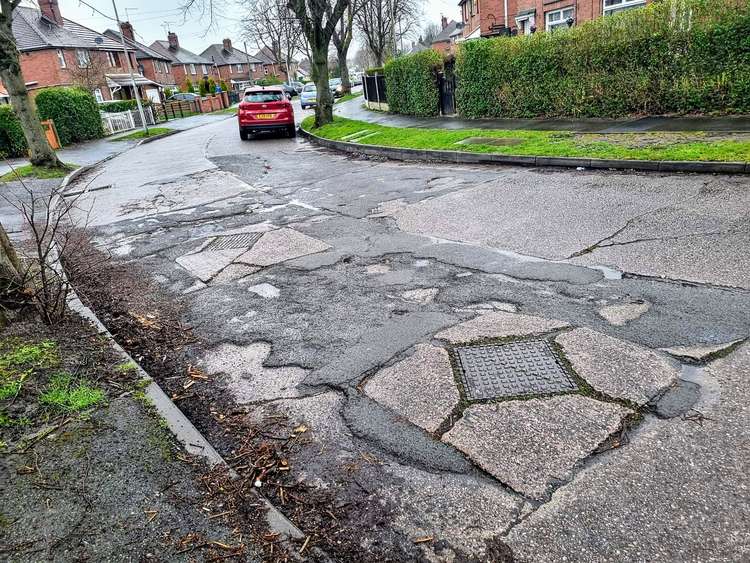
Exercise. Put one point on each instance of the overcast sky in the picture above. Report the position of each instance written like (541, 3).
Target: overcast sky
(151, 18)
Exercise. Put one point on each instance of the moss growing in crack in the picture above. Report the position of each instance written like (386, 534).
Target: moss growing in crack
(30, 356)
(126, 367)
(66, 394)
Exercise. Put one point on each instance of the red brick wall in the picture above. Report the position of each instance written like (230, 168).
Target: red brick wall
(585, 10)
(152, 71)
(178, 71)
(442, 47)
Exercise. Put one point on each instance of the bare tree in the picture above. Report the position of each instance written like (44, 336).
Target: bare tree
(342, 39)
(383, 23)
(90, 76)
(270, 24)
(430, 32)
(12, 77)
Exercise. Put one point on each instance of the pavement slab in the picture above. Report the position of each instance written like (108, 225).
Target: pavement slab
(677, 492)
(420, 388)
(248, 379)
(499, 324)
(618, 368)
(281, 245)
(534, 445)
(699, 352)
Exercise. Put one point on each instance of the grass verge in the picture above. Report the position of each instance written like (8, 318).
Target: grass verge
(702, 146)
(152, 132)
(348, 97)
(39, 172)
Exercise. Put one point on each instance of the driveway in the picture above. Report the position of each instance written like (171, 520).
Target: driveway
(486, 360)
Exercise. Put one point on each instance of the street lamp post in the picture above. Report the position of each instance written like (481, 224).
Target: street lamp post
(130, 70)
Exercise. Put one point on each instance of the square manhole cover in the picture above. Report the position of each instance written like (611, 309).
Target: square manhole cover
(230, 242)
(510, 370)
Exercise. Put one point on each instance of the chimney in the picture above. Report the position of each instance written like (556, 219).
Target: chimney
(228, 45)
(174, 43)
(51, 11)
(444, 21)
(127, 30)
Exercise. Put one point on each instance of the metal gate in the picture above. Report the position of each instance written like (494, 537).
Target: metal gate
(447, 84)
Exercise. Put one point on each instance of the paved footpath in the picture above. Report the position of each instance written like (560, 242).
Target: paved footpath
(544, 362)
(354, 109)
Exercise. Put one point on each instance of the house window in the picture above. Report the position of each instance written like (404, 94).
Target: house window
(239, 67)
(204, 69)
(184, 68)
(614, 6)
(265, 70)
(525, 24)
(192, 68)
(98, 95)
(61, 58)
(114, 59)
(558, 18)
(82, 56)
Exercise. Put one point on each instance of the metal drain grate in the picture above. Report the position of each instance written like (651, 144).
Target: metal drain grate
(245, 240)
(510, 370)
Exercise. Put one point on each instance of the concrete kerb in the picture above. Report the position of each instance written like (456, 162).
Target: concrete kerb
(460, 157)
(186, 433)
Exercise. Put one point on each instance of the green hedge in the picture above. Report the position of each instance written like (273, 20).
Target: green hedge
(411, 84)
(74, 111)
(675, 56)
(12, 140)
(122, 105)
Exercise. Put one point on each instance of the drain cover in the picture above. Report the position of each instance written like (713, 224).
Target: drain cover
(510, 370)
(245, 240)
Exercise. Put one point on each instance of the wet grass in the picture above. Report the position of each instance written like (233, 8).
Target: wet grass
(37, 172)
(347, 97)
(67, 394)
(152, 132)
(699, 146)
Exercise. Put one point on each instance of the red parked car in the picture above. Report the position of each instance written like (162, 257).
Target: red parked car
(265, 108)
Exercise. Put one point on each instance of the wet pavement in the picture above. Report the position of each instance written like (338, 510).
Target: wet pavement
(352, 296)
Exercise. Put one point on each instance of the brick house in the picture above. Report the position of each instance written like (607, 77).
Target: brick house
(55, 51)
(235, 67)
(153, 65)
(269, 65)
(185, 64)
(487, 18)
(450, 32)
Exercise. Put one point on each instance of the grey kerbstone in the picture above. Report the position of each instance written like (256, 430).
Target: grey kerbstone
(621, 314)
(617, 368)
(421, 388)
(499, 324)
(531, 445)
(281, 245)
(248, 379)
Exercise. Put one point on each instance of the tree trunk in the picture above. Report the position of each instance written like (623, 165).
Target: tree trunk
(10, 73)
(324, 109)
(10, 265)
(346, 85)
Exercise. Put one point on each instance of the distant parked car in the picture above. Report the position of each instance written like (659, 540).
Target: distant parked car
(335, 85)
(289, 90)
(183, 96)
(309, 96)
(355, 80)
(265, 109)
(298, 86)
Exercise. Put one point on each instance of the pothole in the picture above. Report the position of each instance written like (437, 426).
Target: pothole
(515, 369)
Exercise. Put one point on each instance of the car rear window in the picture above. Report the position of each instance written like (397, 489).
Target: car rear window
(309, 88)
(262, 97)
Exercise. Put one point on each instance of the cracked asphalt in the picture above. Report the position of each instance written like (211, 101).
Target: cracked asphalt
(337, 290)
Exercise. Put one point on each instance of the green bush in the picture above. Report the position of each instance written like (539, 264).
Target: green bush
(269, 81)
(168, 92)
(188, 86)
(74, 112)
(676, 56)
(375, 70)
(224, 87)
(12, 139)
(122, 105)
(411, 83)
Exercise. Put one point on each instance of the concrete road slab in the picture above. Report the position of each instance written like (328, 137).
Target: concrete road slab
(534, 445)
(281, 245)
(420, 388)
(621, 314)
(617, 368)
(499, 324)
(205, 265)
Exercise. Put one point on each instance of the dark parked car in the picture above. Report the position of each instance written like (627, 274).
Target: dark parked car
(298, 86)
(289, 90)
(265, 109)
(183, 96)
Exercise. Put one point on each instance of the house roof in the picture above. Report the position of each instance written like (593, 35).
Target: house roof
(180, 55)
(33, 32)
(141, 51)
(447, 32)
(266, 56)
(418, 47)
(219, 55)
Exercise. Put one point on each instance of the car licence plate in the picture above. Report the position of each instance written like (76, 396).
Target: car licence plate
(266, 115)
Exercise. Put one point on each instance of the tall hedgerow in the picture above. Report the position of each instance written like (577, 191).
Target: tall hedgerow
(74, 111)
(411, 84)
(674, 56)
(12, 140)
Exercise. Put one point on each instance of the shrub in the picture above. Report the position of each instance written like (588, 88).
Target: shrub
(122, 105)
(12, 139)
(269, 81)
(168, 92)
(411, 84)
(676, 56)
(74, 111)
(224, 87)
(375, 70)
(211, 86)
(188, 86)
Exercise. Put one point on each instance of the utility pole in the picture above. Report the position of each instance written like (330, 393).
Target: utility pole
(247, 56)
(130, 70)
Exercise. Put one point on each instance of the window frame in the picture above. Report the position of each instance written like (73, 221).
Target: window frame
(204, 68)
(622, 6)
(551, 25)
(98, 95)
(61, 58)
(193, 69)
(83, 58)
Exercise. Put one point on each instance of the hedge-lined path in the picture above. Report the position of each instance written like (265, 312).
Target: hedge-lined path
(355, 109)
(86, 154)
